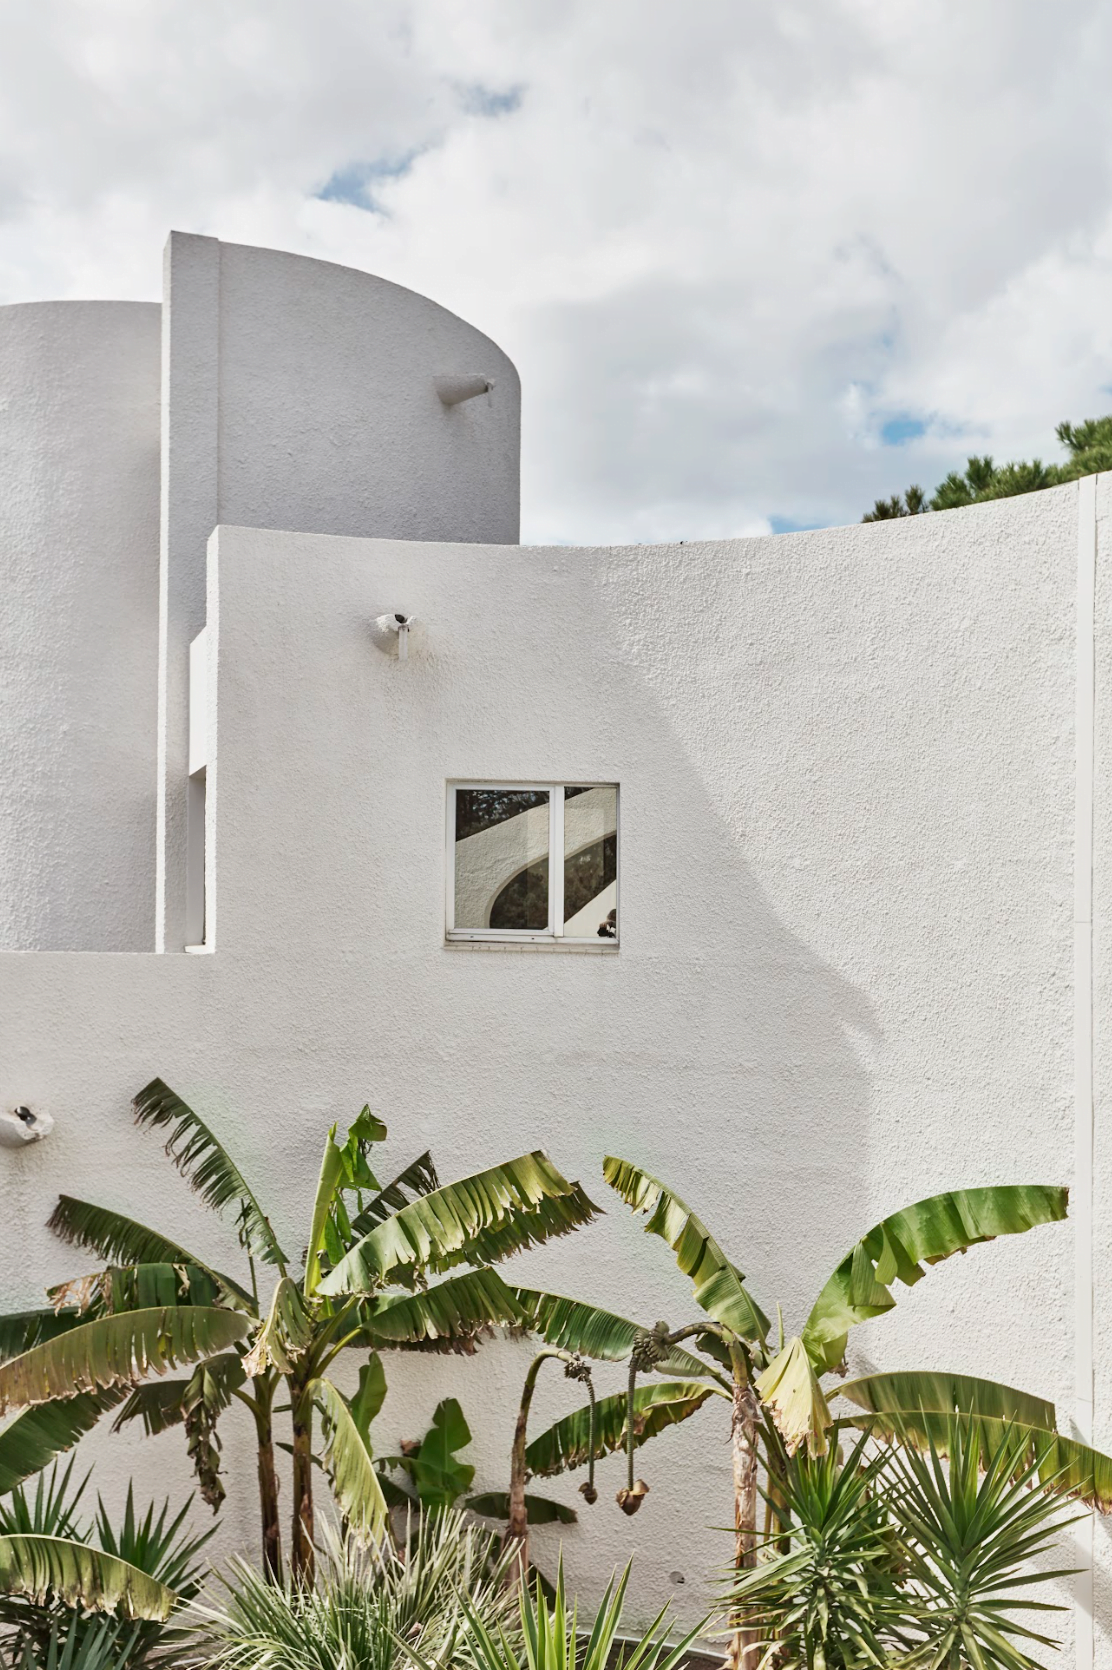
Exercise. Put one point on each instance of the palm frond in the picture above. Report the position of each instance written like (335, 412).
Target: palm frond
(418, 1178)
(31, 1441)
(447, 1316)
(919, 1410)
(21, 1330)
(479, 1219)
(122, 1241)
(208, 1168)
(573, 1325)
(719, 1286)
(348, 1462)
(138, 1287)
(116, 1351)
(897, 1248)
(657, 1406)
(55, 1568)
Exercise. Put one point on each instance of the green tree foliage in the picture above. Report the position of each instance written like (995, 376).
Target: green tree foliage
(1089, 449)
(367, 1283)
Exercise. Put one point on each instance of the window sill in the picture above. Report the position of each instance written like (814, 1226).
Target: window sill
(561, 947)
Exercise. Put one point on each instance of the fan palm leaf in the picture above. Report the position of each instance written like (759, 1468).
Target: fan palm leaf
(208, 1168)
(719, 1286)
(116, 1351)
(899, 1246)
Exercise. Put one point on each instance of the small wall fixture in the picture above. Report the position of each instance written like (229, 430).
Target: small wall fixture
(454, 390)
(389, 626)
(19, 1126)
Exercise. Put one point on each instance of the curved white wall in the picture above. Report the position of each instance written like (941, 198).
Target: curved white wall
(78, 624)
(302, 396)
(330, 421)
(292, 394)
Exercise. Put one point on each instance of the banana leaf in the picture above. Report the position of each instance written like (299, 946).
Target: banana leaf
(657, 1406)
(347, 1459)
(32, 1440)
(208, 1168)
(573, 1325)
(479, 1219)
(899, 1246)
(54, 1568)
(920, 1409)
(719, 1286)
(116, 1351)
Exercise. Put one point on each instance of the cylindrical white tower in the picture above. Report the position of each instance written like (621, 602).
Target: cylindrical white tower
(269, 391)
(79, 441)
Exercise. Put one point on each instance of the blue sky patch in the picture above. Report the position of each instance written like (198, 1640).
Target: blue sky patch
(355, 182)
(785, 524)
(478, 100)
(900, 428)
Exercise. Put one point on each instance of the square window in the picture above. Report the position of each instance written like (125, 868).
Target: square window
(533, 862)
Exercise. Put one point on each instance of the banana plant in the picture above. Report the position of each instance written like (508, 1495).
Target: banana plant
(779, 1402)
(364, 1283)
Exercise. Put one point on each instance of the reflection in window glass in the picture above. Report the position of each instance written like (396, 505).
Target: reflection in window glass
(501, 859)
(591, 863)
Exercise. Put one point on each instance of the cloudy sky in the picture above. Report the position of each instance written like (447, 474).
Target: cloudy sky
(757, 260)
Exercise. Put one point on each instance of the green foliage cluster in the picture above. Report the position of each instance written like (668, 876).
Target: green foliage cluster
(46, 1623)
(1089, 449)
(890, 1557)
(412, 1265)
(369, 1607)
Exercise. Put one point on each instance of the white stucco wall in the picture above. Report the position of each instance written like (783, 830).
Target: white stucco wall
(78, 624)
(845, 974)
(300, 394)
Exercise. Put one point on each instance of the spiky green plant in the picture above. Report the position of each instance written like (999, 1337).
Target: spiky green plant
(367, 1606)
(826, 1595)
(80, 1645)
(971, 1526)
(551, 1639)
(139, 1568)
(902, 1557)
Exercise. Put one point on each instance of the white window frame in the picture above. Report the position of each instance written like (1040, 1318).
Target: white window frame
(553, 933)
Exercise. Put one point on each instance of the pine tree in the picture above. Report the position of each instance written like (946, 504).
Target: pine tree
(1089, 445)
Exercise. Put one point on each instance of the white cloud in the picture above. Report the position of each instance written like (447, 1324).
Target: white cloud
(724, 241)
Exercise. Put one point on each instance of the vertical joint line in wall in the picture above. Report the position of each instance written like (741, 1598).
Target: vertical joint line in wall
(1085, 728)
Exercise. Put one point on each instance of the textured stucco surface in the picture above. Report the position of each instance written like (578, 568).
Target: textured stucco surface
(300, 394)
(845, 975)
(79, 386)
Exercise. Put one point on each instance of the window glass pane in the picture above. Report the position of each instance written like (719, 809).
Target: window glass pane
(591, 863)
(501, 858)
